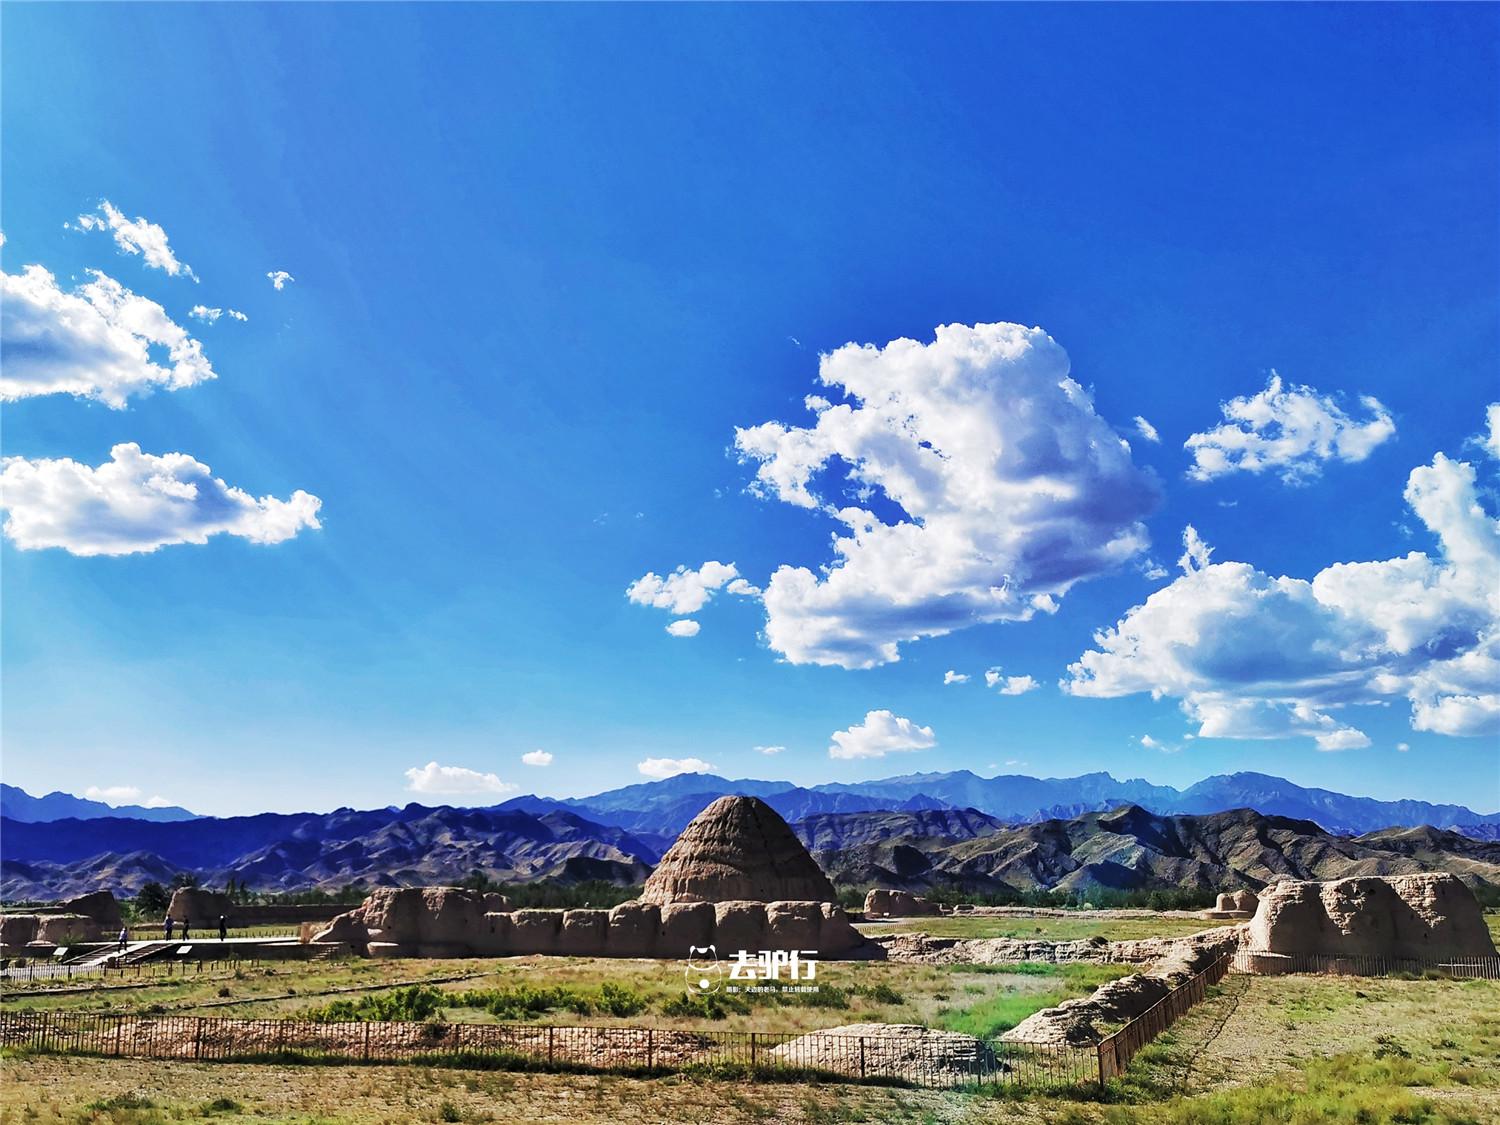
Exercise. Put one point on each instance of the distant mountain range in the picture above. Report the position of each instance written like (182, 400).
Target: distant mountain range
(666, 806)
(910, 830)
(1126, 849)
(17, 804)
(661, 809)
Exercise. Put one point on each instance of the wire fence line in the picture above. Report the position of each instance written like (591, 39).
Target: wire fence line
(1116, 1051)
(911, 1056)
(1460, 968)
(141, 970)
(921, 1060)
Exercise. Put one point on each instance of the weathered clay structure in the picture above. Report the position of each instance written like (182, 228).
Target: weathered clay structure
(882, 903)
(738, 849)
(202, 909)
(89, 917)
(1077, 1022)
(1233, 906)
(699, 896)
(450, 922)
(1400, 917)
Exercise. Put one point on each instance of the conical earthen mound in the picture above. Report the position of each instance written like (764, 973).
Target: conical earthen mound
(738, 848)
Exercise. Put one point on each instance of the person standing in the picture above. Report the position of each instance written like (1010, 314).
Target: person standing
(184, 929)
(223, 928)
(168, 926)
(124, 938)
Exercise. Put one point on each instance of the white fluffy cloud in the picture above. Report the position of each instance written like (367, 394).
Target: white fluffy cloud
(769, 749)
(1490, 439)
(687, 591)
(671, 767)
(1289, 430)
(1254, 656)
(536, 758)
(93, 342)
(952, 677)
(880, 734)
(1147, 430)
(279, 279)
(979, 486)
(453, 781)
(137, 502)
(137, 236)
(211, 316)
(1009, 685)
(124, 795)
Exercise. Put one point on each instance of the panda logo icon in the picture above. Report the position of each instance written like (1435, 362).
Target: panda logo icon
(704, 974)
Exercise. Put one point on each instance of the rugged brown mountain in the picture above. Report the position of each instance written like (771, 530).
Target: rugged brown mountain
(1130, 848)
(738, 848)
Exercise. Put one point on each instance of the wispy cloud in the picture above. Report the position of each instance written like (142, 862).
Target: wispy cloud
(136, 236)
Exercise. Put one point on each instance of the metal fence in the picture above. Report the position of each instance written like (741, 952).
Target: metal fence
(143, 970)
(931, 1060)
(1116, 1051)
(1271, 964)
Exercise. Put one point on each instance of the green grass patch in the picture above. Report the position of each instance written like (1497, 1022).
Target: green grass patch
(1001, 1012)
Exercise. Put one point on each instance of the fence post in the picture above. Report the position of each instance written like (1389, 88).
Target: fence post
(198, 1040)
(551, 1042)
(753, 1059)
(367, 1041)
(119, 1029)
(650, 1047)
(861, 1057)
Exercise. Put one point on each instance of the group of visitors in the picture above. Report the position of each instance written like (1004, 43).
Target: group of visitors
(183, 933)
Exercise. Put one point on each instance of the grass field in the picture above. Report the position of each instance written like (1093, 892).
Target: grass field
(1042, 927)
(977, 999)
(1289, 1050)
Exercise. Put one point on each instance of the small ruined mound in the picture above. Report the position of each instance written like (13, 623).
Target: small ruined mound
(738, 849)
(882, 903)
(1407, 917)
(890, 1050)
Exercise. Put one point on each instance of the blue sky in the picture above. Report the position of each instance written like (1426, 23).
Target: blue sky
(546, 260)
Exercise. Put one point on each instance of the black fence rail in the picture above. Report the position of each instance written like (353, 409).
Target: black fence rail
(1116, 1051)
(12, 973)
(1271, 964)
(920, 1059)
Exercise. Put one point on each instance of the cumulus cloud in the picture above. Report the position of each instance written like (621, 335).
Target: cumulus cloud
(124, 795)
(1490, 439)
(94, 341)
(952, 677)
(769, 749)
(671, 767)
(1288, 430)
(1147, 430)
(211, 315)
(1009, 685)
(136, 236)
(1252, 656)
(1195, 552)
(279, 279)
(687, 591)
(536, 758)
(880, 734)
(453, 781)
(137, 502)
(973, 483)
(685, 627)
